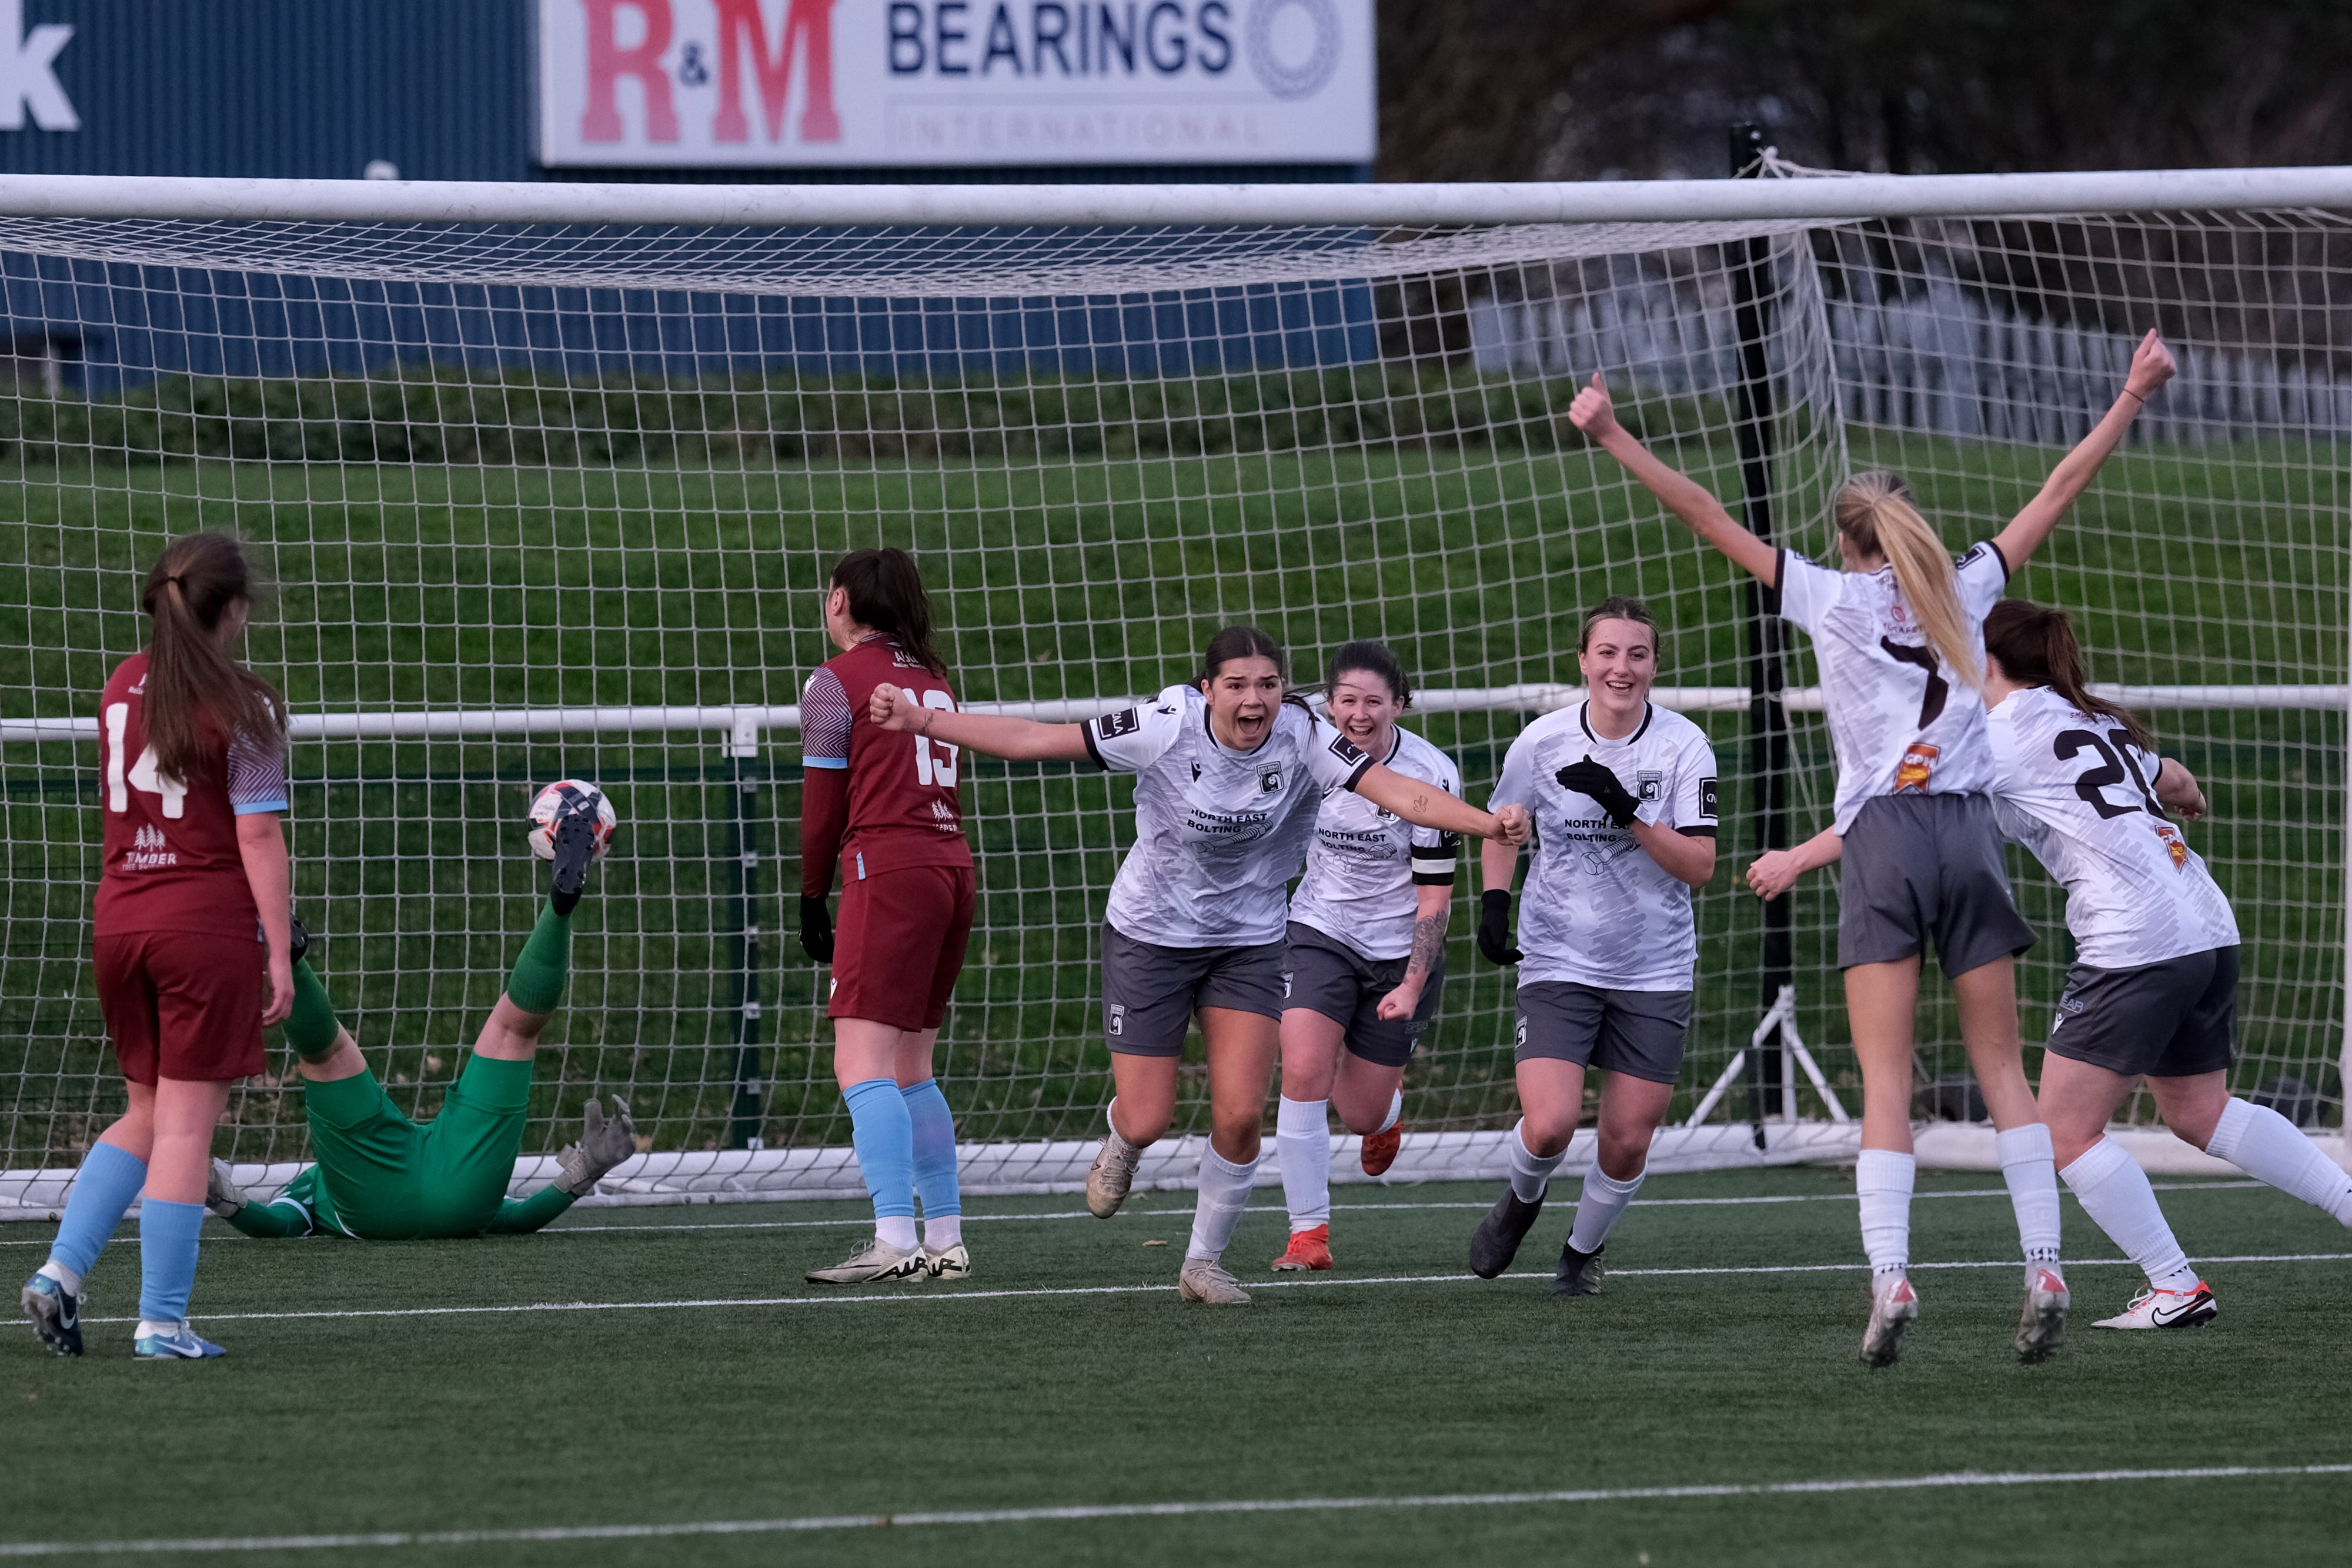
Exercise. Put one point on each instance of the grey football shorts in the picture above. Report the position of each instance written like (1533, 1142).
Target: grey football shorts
(1638, 1033)
(1921, 868)
(2173, 1019)
(1330, 977)
(1151, 993)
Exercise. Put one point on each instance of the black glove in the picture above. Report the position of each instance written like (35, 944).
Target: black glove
(1494, 926)
(816, 929)
(1593, 779)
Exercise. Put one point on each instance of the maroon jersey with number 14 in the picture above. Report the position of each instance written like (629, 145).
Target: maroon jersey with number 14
(905, 805)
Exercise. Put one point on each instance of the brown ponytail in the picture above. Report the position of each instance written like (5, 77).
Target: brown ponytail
(1875, 514)
(886, 593)
(190, 676)
(2036, 647)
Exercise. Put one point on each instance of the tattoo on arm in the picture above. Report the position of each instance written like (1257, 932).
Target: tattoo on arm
(1428, 944)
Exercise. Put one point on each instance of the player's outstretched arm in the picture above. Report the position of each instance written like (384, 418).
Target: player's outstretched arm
(1015, 739)
(1427, 806)
(604, 1143)
(1592, 413)
(1777, 871)
(2152, 365)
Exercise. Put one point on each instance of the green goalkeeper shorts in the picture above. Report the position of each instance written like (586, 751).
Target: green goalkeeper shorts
(382, 1178)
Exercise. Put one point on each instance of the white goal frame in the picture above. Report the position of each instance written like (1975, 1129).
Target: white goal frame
(742, 731)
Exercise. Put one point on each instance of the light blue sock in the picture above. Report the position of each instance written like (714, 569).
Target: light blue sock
(883, 1136)
(934, 1148)
(167, 1258)
(102, 1190)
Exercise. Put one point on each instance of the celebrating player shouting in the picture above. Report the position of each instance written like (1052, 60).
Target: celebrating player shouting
(191, 920)
(1623, 796)
(1230, 776)
(382, 1178)
(1894, 633)
(1366, 952)
(884, 808)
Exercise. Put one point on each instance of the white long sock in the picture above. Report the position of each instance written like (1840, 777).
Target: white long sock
(1597, 1208)
(1883, 1179)
(2114, 1192)
(2270, 1148)
(1530, 1171)
(1396, 1109)
(944, 1232)
(1224, 1192)
(2029, 1169)
(1302, 1135)
(894, 1230)
(1111, 1121)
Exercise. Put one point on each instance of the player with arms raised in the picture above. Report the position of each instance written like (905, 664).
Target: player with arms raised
(1624, 796)
(193, 951)
(1366, 952)
(883, 807)
(2154, 988)
(1894, 633)
(1230, 775)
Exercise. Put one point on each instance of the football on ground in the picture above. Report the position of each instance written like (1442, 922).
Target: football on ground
(658, 1380)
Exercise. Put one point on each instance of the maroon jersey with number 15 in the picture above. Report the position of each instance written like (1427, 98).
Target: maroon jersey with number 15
(905, 809)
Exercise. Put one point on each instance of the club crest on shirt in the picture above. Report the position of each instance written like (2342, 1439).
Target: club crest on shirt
(1270, 781)
(1918, 765)
(1649, 784)
(2174, 845)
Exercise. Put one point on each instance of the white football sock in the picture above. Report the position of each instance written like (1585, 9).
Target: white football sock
(2114, 1191)
(2270, 1148)
(1396, 1109)
(1118, 1143)
(1224, 1192)
(2031, 1171)
(896, 1231)
(1881, 1179)
(1302, 1137)
(944, 1232)
(62, 1275)
(1603, 1199)
(1530, 1171)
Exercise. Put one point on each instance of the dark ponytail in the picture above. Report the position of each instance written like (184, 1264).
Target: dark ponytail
(2035, 647)
(1372, 659)
(190, 676)
(1241, 642)
(885, 592)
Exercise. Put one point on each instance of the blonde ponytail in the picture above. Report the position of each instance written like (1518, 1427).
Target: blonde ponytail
(1874, 513)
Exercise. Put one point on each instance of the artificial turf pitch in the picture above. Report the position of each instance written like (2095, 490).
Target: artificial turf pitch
(1070, 1375)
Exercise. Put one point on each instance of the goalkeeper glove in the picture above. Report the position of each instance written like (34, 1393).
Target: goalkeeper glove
(1593, 779)
(222, 1195)
(1494, 926)
(816, 929)
(602, 1145)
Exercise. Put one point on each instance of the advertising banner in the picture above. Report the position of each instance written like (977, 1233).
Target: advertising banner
(863, 83)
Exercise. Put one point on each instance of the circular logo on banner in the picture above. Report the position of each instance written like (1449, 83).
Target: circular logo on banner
(1294, 45)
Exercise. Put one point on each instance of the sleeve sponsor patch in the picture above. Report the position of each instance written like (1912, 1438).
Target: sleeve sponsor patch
(1111, 726)
(1346, 751)
(1706, 798)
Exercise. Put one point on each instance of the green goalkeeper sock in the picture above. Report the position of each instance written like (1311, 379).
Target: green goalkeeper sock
(537, 983)
(311, 1027)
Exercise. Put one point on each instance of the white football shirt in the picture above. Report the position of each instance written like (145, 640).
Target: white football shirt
(1364, 861)
(1901, 721)
(1595, 907)
(2073, 789)
(1218, 832)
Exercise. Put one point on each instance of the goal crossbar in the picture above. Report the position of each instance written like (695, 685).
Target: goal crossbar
(206, 199)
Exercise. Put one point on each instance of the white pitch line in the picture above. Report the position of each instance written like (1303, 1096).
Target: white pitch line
(1081, 1513)
(857, 1221)
(908, 1296)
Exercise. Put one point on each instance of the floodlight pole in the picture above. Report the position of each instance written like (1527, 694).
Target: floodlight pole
(1768, 1077)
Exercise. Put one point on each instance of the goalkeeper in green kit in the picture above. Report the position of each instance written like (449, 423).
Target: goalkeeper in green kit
(382, 1177)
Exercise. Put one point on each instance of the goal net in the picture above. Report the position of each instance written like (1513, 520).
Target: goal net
(556, 499)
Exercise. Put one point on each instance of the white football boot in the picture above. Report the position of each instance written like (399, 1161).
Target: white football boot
(1894, 1307)
(2043, 1324)
(1112, 1174)
(2155, 1309)
(872, 1264)
(1204, 1280)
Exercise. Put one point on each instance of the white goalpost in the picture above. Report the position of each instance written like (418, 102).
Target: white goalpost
(546, 478)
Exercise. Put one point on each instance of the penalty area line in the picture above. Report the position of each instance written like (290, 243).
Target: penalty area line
(908, 1296)
(1081, 1513)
